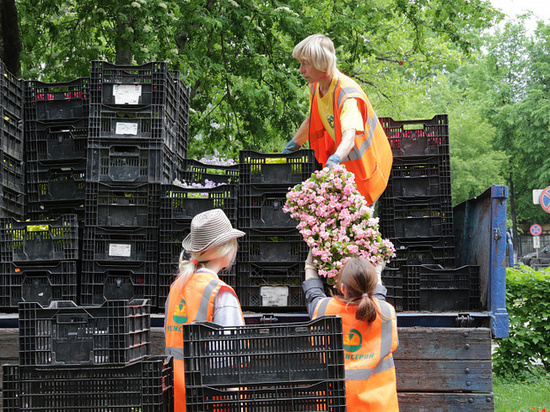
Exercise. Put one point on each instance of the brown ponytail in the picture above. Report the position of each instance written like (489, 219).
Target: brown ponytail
(359, 278)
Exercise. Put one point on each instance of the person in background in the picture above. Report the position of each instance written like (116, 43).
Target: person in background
(342, 125)
(370, 333)
(197, 294)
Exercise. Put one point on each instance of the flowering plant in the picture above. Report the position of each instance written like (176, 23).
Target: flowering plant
(336, 222)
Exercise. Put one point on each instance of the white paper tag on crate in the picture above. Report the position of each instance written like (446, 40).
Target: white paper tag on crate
(126, 128)
(121, 250)
(127, 93)
(274, 295)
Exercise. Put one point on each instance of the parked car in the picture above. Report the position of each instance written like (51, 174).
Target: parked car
(542, 260)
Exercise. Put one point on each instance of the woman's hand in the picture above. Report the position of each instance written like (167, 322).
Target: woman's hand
(311, 269)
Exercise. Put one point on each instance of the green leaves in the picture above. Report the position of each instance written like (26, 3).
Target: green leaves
(528, 346)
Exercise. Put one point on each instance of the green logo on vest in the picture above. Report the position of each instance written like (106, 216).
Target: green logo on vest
(352, 340)
(180, 314)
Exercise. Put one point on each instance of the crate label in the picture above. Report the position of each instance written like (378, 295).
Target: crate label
(274, 295)
(117, 249)
(127, 93)
(126, 128)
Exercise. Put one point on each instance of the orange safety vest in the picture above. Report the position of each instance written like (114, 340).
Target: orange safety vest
(371, 158)
(370, 371)
(191, 301)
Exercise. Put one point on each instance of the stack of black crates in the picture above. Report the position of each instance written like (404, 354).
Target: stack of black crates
(39, 260)
(272, 254)
(12, 189)
(87, 358)
(203, 186)
(138, 126)
(416, 214)
(56, 134)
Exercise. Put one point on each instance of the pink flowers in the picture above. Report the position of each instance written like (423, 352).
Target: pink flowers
(335, 221)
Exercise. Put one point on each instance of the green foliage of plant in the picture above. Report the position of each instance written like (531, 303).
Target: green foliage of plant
(527, 350)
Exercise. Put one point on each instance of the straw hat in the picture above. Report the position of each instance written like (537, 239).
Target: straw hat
(209, 229)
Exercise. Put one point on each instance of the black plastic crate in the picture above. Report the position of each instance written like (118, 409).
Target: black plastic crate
(432, 288)
(12, 203)
(40, 240)
(134, 86)
(272, 246)
(127, 162)
(56, 101)
(417, 137)
(419, 176)
(416, 217)
(56, 141)
(318, 396)
(11, 134)
(12, 172)
(119, 244)
(437, 250)
(63, 333)
(112, 205)
(279, 169)
(394, 280)
(107, 123)
(57, 182)
(299, 352)
(196, 172)
(262, 208)
(118, 280)
(145, 386)
(11, 92)
(270, 284)
(39, 281)
(185, 203)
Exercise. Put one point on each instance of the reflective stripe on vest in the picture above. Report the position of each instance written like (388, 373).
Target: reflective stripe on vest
(202, 313)
(322, 307)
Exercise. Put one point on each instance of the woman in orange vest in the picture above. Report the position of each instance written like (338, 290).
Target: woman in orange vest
(342, 125)
(370, 333)
(198, 294)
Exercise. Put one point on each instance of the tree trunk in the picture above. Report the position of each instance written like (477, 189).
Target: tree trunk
(10, 49)
(124, 41)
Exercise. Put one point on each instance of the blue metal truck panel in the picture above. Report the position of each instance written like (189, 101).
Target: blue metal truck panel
(481, 239)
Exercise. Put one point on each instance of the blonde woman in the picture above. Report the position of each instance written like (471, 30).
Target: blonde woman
(342, 125)
(197, 294)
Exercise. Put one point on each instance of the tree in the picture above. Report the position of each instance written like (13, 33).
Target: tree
(236, 55)
(10, 44)
(520, 111)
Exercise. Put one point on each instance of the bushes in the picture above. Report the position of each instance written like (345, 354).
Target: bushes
(527, 350)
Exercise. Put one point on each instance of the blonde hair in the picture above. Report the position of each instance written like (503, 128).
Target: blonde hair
(317, 49)
(188, 267)
(360, 279)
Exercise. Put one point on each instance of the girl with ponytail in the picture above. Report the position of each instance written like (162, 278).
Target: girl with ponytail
(369, 330)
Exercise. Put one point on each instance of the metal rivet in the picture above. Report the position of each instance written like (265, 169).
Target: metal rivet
(470, 400)
(467, 346)
(467, 371)
(468, 383)
(488, 399)
(466, 334)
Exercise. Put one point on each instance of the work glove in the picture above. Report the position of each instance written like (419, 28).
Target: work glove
(332, 161)
(291, 147)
